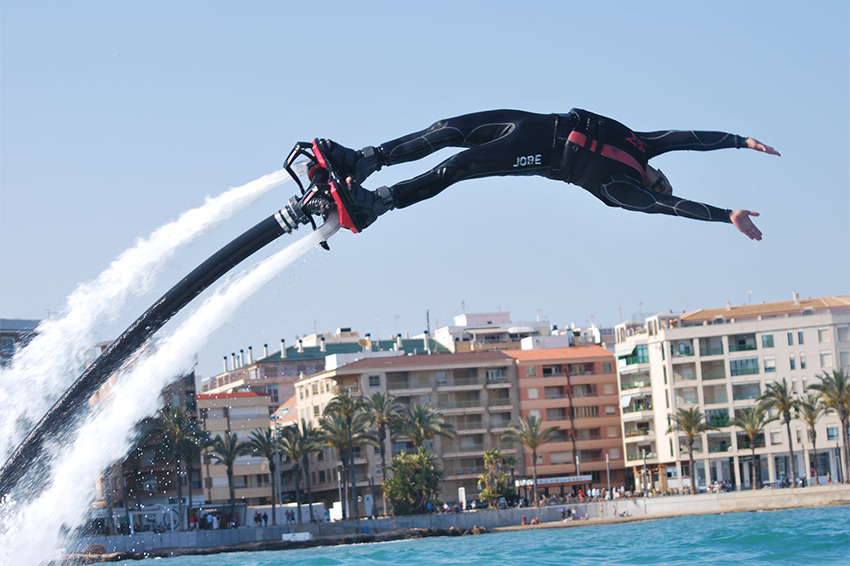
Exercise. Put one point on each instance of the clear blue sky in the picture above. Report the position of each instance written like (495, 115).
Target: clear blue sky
(118, 116)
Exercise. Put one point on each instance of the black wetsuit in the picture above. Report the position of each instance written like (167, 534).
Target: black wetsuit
(596, 153)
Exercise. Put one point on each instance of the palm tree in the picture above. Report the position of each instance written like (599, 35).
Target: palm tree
(294, 445)
(226, 449)
(176, 427)
(349, 407)
(810, 409)
(311, 445)
(778, 395)
(835, 390)
(752, 421)
(335, 432)
(382, 409)
(691, 422)
(527, 432)
(421, 423)
(264, 443)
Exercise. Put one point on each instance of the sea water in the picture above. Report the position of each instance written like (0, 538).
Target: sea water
(797, 536)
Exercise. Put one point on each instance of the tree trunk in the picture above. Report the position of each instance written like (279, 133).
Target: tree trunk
(791, 451)
(179, 494)
(306, 460)
(753, 463)
(273, 471)
(353, 475)
(383, 434)
(843, 419)
(534, 474)
(694, 488)
(814, 439)
(232, 494)
(297, 472)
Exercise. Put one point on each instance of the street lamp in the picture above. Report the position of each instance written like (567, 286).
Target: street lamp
(276, 495)
(643, 475)
(608, 474)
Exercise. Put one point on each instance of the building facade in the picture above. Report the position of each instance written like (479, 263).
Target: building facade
(720, 360)
(575, 390)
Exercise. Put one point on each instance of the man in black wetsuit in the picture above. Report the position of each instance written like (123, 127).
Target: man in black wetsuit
(599, 154)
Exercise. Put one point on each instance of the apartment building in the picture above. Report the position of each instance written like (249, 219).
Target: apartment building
(475, 392)
(720, 360)
(574, 389)
(239, 413)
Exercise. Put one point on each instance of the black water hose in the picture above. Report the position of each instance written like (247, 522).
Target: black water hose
(68, 406)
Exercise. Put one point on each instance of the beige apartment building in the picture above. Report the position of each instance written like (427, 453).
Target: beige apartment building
(475, 392)
(238, 413)
(720, 360)
(574, 389)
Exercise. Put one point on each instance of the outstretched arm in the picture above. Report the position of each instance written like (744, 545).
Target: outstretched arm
(741, 220)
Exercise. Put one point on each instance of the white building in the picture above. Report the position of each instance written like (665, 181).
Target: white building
(720, 360)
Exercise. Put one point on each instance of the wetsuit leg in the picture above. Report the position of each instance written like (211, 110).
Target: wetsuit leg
(500, 142)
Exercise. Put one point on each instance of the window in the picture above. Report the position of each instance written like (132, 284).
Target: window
(8, 345)
(607, 367)
(769, 364)
(585, 412)
(823, 335)
(802, 361)
(608, 389)
(790, 338)
(532, 393)
(613, 431)
(843, 332)
(614, 453)
(800, 337)
(792, 361)
(776, 437)
(315, 389)
(744, 366)
(534, 413)
(441, 377)
(767, 340)
(610, 409)
(832, 433)
(844, 358)
(315, 410)
(826, 359)
(530, 371)
(374, 381)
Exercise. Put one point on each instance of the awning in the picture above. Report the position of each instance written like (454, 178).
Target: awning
(623, 350)
(475, 331)
(625, 400)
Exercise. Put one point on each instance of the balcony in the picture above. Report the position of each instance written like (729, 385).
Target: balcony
(639, 432)
(638, 456)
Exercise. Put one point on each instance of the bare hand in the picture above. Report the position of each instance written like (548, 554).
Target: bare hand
(741, 220)
(753, 143)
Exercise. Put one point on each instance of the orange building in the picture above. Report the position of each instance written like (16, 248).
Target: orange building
(574, 389)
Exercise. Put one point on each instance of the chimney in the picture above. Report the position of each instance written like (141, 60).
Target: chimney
(300, 347)
(796, 298)
(282, 349)
(265, 350)
(250, 355)
(322, 347)
(427, 342)
(225, 364)
(728, 305)
(241, 357)
(398, 342)
(368, 346)
(233, 360)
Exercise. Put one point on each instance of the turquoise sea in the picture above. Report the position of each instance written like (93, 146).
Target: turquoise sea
(797, 537)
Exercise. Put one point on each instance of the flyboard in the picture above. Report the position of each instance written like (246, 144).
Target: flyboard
(325, 194)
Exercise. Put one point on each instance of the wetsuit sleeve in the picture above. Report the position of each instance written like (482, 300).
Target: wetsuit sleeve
(625, 193)
(677, 140)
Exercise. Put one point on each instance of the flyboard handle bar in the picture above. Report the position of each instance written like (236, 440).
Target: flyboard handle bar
(68, 406)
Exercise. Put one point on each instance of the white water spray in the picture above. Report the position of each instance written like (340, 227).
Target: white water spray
(56, 356)
(33, 532)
